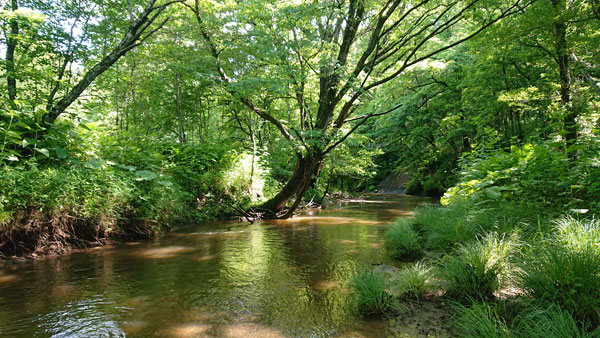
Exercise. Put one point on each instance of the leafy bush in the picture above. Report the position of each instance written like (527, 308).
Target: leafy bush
(370, 296)
(402, 241)
(476, 270)
(413, 281)
(565, 270)
(534, 174)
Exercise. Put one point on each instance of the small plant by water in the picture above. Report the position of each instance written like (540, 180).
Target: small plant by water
(403, 241)
(370, 295)
(475, 270)
(413, 281)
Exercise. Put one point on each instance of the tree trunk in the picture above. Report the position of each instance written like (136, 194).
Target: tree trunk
(564, 70)
(301, 179)
(11, 45)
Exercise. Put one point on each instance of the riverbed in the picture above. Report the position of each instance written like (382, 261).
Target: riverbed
(287, 278)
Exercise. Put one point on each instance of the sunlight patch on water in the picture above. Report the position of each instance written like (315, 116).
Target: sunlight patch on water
(377, 245)
(399, 212)
(250, 331)
(162, 253)
(134, 327)
(6, 278)
(186, 330)
(324, 220)
(323, 285)
(207, 257)
(347, 241)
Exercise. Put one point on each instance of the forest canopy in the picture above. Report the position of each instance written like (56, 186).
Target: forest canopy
(466, 98)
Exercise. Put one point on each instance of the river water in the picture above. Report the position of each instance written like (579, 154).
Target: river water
(271, 279)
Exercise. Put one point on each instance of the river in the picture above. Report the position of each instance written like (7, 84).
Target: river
(284, 278)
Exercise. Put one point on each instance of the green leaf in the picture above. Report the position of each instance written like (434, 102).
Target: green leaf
(145, 175)
(94, 163)
(494, 192)
(13, 158)
(43, 151)
(62, 153)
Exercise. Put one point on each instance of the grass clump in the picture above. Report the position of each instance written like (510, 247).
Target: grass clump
(551, 322)
(480, 320)
(444, 227)
(476, 270)
(413, 281)
(565, 270)
(370, 295)
(403, 241)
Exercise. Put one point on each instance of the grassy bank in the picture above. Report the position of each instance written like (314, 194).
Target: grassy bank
(513, 252)
(47, 209)
(502, 271)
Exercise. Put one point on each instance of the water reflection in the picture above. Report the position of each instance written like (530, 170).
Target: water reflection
(281, 279)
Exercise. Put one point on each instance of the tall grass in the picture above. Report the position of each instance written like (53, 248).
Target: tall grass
(413, 281)
(565, 270)
(551, 322)
(476, 270)
(402, 241)
(480, 320)
(370, 295)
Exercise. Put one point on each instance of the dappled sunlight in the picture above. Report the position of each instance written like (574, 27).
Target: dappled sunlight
(133, 327)
(251, 330)
(6, 278)
(400, 212)
(347, 241)
(186, 330)
(135, 302)
(376, 245)
(207, 257)
(323, 285)
(162, 253)
(324, 220)
(63, 290)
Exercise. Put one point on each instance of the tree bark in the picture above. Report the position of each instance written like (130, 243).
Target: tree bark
(306, 167)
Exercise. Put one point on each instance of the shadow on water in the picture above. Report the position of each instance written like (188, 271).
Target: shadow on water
(272, 279)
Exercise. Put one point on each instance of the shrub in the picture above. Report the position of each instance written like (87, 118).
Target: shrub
(371, 298)
(565, 269)
(476, 270)
(402, 241)
(413, 281)
(480, 320)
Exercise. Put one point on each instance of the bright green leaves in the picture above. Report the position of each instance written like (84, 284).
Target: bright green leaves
(145, 175)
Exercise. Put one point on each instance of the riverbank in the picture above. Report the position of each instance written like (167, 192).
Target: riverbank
(494, 271)
(49, 210)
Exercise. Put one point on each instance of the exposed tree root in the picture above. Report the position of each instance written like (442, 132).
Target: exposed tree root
(34, 233)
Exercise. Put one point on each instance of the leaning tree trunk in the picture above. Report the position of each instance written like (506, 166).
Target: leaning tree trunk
(300, 181)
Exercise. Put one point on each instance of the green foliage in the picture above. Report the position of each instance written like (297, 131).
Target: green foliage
(551, 322)
(474, 271)
(480, 320)
(370, 295)
(565, 269)
(413, 281)
(100, 197)
(402, 241)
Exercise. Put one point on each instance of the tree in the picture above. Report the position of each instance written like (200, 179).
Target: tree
(67, 47)
(328, 60)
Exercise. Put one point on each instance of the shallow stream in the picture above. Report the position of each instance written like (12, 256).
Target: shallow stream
(272, 279)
